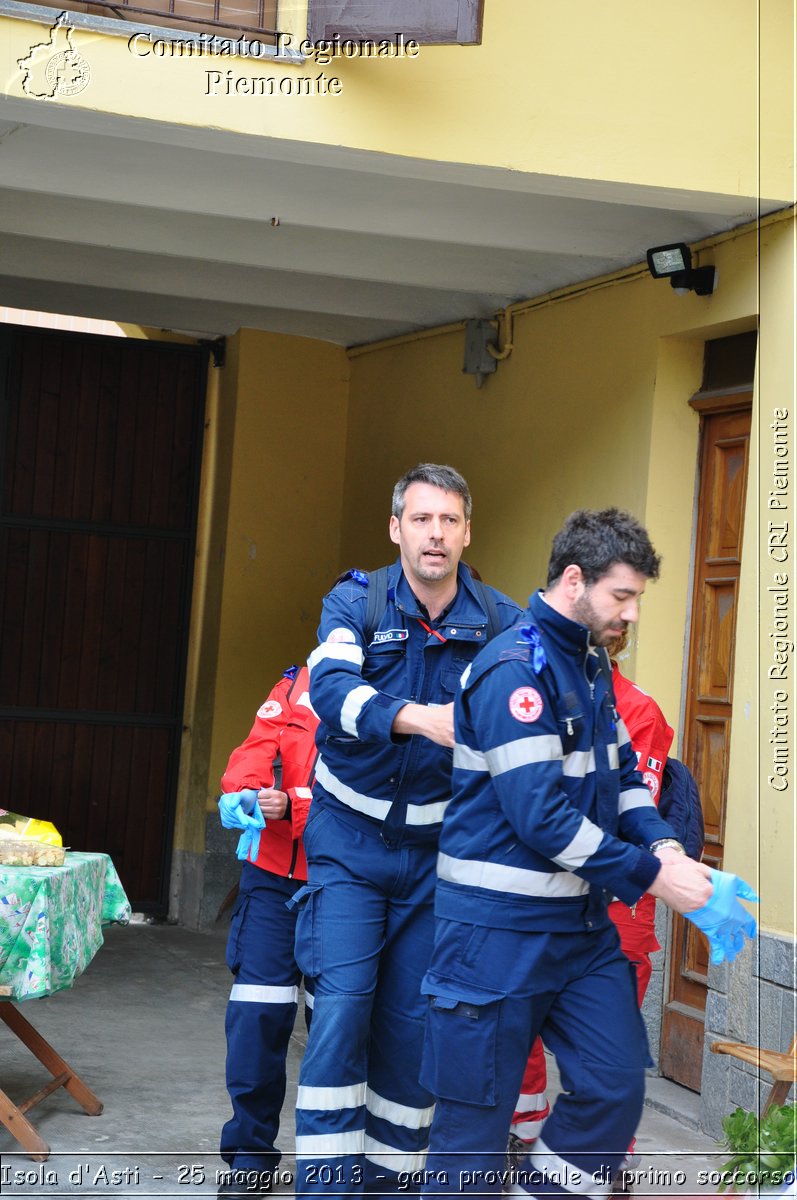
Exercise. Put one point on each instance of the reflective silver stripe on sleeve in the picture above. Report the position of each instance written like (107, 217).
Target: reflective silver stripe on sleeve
(382, 1155)
(330, 1145)
(356, 800)
(398, 1114)
(426, 814)
(566, 1176)
(309, 1000)
(523, 752)
(258, 993)
(623, 736)
(578, 764)
(499, 878)
(582, 847)
(465, 676)
(613, 753)
(353, 705)
(329, 1099)
(343, 651)
(635, 798)
(469, 760)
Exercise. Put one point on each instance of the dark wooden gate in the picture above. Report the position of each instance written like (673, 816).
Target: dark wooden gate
(100, 448)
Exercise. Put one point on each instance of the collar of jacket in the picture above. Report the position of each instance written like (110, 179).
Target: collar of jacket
(569, 636)
(464, 610)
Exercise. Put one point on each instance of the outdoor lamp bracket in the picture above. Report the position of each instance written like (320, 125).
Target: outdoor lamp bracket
(674, 262)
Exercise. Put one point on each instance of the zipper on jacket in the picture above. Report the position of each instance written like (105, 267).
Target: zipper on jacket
(293, 858)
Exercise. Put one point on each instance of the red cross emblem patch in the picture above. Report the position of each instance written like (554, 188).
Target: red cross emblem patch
(525, 704)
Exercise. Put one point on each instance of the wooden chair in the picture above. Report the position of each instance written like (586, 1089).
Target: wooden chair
(782, 1068)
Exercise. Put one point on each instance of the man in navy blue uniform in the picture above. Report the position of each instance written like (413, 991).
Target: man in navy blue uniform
(549, 818)
(383, 780)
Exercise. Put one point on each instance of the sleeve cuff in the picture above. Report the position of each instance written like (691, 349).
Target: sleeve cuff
(637, 881)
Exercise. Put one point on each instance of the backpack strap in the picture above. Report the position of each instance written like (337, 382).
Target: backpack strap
(489, 605)
(377, 601)
(605, 667)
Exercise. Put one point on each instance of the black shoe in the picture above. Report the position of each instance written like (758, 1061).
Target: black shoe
(246, 1183)
(516, 1151)
(623, 1183)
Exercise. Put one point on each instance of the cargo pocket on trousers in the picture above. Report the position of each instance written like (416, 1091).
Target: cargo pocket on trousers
(305, 904)
(459, 1052)
(233, 955)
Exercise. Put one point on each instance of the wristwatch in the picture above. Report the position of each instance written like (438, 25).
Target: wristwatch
(676, 845)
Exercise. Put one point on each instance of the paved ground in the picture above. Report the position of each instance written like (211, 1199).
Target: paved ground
(145, 1028)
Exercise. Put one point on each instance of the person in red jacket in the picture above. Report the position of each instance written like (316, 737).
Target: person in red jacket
(651, 738)
(260, 949)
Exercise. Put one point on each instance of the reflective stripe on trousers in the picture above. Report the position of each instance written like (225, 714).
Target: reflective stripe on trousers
(364, 929)
(260, 1016)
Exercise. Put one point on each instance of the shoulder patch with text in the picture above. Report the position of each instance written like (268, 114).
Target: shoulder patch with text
(271, 708)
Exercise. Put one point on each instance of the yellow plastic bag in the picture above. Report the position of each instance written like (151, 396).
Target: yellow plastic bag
(15, 825)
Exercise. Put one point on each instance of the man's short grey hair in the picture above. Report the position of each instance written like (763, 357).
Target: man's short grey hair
(436, 475)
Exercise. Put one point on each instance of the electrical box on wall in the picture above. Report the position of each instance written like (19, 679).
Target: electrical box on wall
(478, 359)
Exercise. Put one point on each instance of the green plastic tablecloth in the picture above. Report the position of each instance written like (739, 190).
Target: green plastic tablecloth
(51, 921)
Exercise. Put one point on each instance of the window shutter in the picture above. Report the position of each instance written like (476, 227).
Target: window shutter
(428, 22)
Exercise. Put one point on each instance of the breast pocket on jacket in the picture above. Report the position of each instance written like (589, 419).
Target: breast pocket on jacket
(384, 663)
(571, 731)
(452, 672)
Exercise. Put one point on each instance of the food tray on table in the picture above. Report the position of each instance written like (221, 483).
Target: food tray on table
(19, 852)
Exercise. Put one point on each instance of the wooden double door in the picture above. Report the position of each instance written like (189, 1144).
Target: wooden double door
(725, 439)
(100, 448)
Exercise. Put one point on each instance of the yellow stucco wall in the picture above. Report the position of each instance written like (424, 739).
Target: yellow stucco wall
(282, 530)
(762, 834)
(568, 89)
(591, 409)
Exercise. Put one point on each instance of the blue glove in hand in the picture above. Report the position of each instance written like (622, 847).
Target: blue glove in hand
(249, 841)
(235, 808)
(722, 919)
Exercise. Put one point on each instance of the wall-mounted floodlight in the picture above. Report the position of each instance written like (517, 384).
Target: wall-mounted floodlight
(674, 262)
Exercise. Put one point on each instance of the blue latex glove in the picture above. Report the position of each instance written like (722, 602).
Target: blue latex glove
(240, 810)
(249, 841)
(236, 807)
(722, 919)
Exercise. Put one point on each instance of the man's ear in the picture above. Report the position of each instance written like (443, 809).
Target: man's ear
(395, 530)
(573, 581)
(467, 534)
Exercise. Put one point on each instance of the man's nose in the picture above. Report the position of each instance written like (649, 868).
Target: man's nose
(630, 612)
(436, 530)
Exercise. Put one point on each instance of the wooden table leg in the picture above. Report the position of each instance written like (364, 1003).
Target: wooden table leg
(56, 1065)
(21, 1129)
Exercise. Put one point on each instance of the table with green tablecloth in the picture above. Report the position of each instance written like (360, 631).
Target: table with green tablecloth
(51, 921)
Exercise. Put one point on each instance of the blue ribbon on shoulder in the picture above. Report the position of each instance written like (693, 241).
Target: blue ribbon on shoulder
(532, 635)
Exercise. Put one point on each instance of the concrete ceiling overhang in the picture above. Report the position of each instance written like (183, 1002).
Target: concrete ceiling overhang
(171, 227)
